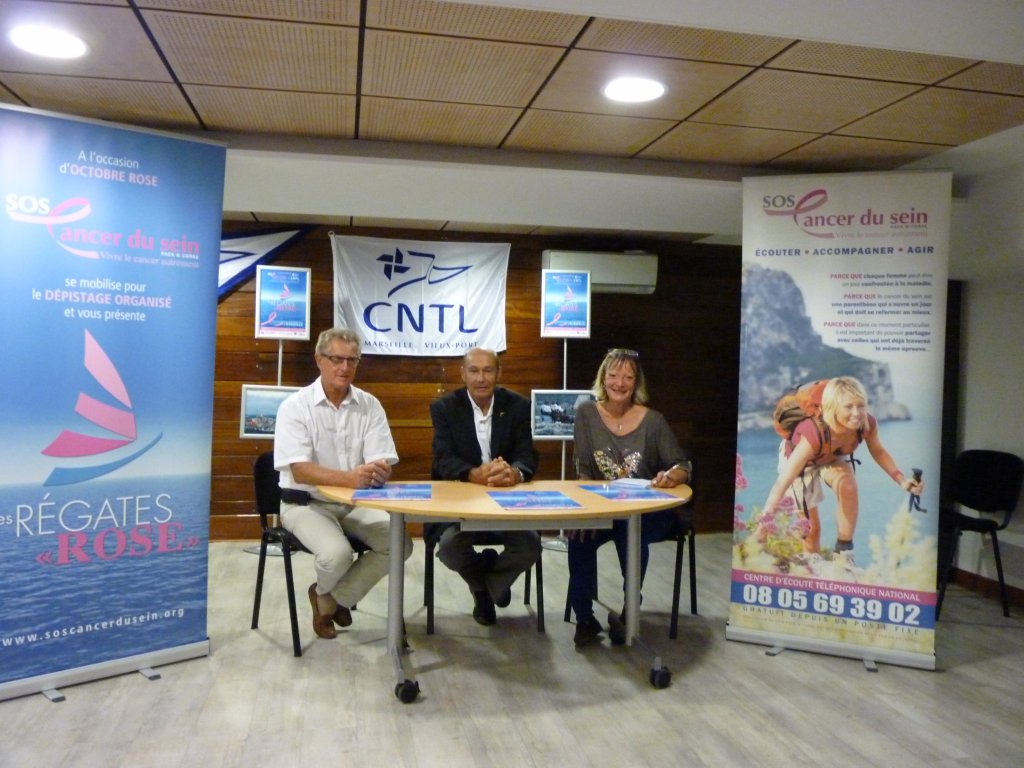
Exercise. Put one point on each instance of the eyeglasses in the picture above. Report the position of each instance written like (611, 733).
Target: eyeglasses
(338, 360)
(618, 352)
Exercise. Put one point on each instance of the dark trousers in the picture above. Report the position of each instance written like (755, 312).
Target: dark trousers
(520, 551)
(654, 526)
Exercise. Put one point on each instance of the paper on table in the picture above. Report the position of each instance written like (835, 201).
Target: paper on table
(395, 491)
(632, 482)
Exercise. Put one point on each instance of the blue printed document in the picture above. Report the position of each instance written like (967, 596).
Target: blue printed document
(396, 491)
(533, 500)
(631, 491)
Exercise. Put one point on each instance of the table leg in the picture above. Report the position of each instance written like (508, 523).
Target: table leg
(405, 689)
(632, 578)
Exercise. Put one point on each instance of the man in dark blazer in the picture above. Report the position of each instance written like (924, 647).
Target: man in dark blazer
(482, 434)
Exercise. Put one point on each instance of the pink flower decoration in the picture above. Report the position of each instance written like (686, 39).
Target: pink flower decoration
(741, 481)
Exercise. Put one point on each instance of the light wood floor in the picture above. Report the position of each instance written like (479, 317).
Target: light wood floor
(508, 696)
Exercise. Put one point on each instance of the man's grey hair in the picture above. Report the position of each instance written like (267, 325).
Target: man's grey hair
(347, 335)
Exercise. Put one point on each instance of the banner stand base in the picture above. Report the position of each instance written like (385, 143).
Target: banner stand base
(49, 684)
(775, 650)
(869, 656)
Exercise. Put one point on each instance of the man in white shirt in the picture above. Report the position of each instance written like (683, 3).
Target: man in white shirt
(333, 433)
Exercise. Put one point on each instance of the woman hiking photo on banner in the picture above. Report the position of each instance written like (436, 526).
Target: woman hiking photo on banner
(822, 425)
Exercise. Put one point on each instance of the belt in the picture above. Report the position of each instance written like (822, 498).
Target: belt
(294, 496)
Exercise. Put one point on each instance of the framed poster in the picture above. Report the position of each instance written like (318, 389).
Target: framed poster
(282, 302)
(565, 304)
(554, 412)
(259, 409)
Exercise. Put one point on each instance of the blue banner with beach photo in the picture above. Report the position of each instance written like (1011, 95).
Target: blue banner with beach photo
(112, 239)
(840, 407)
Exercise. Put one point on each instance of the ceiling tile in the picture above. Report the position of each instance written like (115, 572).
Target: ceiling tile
(118, 45)
(335, 12)
(217, 50)
(435, 122)
(942, 116)
(635, 37)
(278, 112)
(156, 105)
(734, 145)
(800, 102)
(848, 153)
(452, 69)
(463, 20)
(577, 85)
(868, 63)
(990, 76)
(575, 132)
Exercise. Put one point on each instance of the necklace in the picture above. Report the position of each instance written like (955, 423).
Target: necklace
(618, 422)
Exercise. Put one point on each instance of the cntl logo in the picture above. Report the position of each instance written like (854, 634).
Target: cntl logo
(799, 208)
(117, 420)
(420, 268)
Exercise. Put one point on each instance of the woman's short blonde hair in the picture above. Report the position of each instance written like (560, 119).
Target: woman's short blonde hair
(614, 359)
(835, 390)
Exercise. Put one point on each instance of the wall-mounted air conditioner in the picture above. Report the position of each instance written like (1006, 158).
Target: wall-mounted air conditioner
(609, 272)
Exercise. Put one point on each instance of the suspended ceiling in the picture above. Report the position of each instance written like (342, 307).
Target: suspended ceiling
(514, 86)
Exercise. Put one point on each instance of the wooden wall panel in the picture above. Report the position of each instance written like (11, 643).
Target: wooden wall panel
(687, 333)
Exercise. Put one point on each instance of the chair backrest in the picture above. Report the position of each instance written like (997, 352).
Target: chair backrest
(268, 491)
(988, 481)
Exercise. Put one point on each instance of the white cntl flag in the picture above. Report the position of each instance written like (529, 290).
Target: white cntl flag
(412, 297)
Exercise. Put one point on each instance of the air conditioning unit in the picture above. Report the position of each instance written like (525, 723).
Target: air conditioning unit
(609, 272)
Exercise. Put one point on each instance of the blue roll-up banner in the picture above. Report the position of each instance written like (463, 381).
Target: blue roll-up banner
(111, 241)
(844, 283)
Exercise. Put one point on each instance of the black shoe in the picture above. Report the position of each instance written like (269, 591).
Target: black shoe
(501, 597)
(617, 628)
(483, 609)
(587, 631)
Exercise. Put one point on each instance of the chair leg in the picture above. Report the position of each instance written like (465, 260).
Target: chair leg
(693, 571)
(999, 572)
(947, 566)
(296, 645)
(540, 592)
(673, 626)
(258, 597)
(428, 585)
(526, 587)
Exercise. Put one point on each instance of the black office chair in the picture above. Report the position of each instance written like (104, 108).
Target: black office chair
(268, 505)
(987, 482)
(684, 534)
(431, 535)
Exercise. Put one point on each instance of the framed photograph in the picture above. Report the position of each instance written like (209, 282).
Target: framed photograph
(282, 302)
(554, 412)
(259, 409)
(565, 304)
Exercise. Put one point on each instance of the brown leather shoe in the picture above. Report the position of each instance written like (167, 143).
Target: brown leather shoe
(322, 625)
(342, 616)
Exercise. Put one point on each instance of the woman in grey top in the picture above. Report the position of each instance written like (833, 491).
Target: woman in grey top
(619, 436)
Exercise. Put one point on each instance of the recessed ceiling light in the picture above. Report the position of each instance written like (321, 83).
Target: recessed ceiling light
(48, 41)
(633, 89)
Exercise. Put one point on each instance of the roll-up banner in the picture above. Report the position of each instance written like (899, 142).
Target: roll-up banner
(840, 407)
(111, 238)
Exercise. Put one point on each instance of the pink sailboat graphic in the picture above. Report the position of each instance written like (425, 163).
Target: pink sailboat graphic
(117, 420)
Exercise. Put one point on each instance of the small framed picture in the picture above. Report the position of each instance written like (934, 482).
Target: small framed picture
(259, 409)
(554, 412)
